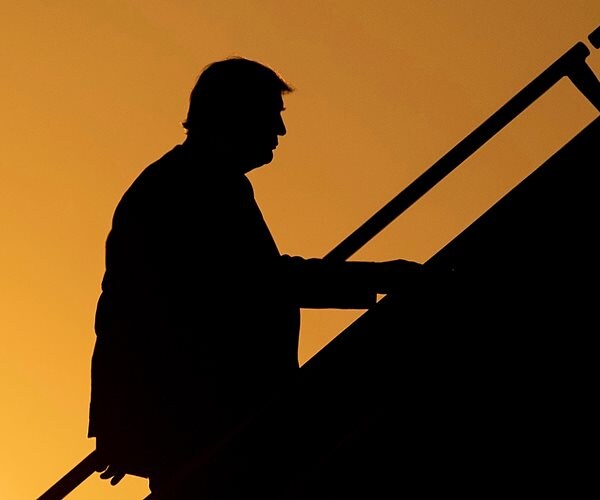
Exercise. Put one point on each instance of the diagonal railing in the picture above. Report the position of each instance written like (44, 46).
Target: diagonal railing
(572, 65)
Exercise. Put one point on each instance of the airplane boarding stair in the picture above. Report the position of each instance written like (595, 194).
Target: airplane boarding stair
(484, 380)
(478, 380)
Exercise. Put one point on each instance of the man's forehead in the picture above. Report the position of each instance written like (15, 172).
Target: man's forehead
(265, 101)
(274, 99)
(278, 102)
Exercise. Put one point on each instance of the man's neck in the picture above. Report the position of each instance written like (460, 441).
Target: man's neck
(225, 155)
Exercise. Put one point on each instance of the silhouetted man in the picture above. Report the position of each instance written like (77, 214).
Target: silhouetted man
(198, 321)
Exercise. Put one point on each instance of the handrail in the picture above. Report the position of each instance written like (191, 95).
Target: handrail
(72, 479)
(571, 65)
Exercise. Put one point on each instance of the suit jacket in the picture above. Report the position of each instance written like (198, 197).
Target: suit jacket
(199, 314)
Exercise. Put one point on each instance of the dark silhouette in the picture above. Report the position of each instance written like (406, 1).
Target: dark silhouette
(476, 383)
(197, 325)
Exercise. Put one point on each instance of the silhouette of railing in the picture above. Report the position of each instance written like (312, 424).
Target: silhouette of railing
(73, 478)
(572, 65)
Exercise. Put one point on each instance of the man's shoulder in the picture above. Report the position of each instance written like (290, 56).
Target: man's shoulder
(158, 175)
(155, 182)
(164, 166)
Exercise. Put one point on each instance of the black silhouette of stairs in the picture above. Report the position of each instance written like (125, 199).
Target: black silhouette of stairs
(484, 380)
(480, 379)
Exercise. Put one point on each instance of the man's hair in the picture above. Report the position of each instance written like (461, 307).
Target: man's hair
(224, 87)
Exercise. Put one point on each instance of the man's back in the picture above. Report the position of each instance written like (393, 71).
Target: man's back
(185, 292)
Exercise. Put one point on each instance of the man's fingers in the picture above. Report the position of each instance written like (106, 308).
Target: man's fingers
(112, 473)
(117, 478)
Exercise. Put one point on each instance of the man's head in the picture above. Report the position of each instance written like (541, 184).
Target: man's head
(236, 105)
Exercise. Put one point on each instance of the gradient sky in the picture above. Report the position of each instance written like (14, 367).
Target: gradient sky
(93, 91)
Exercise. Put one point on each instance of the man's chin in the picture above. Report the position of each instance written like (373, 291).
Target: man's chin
(268, 157)
(259, 161)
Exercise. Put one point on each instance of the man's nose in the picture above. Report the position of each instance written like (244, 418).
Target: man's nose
(280, 126)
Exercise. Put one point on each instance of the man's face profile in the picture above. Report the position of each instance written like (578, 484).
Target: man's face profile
(255, 130)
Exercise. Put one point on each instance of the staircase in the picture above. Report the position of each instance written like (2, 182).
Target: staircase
(483, 380)
(478, 382)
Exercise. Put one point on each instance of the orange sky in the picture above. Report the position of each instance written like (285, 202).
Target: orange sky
(92, 91)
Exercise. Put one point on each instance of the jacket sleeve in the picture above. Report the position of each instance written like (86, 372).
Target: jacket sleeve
(324, 284)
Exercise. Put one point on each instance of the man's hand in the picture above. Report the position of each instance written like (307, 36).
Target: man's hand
(403, 266)
(398, 276)
(113, 473)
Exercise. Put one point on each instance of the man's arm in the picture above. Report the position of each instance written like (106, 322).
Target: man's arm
(323, 284)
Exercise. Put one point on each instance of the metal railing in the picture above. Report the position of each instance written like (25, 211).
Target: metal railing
(572, 64)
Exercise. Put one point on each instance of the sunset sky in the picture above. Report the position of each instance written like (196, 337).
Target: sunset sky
(93, 91)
